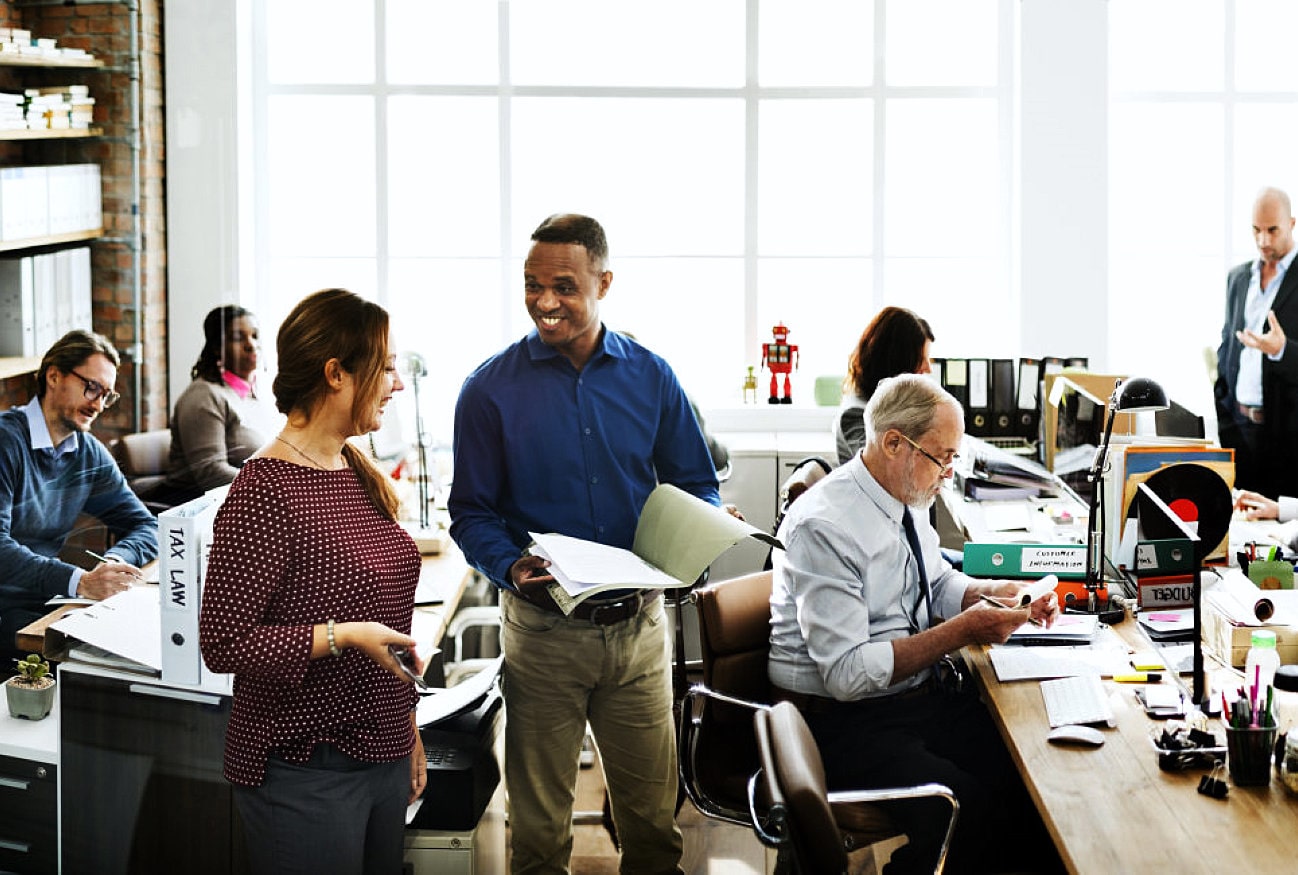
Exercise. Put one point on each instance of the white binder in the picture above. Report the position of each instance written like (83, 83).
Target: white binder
(184, 539)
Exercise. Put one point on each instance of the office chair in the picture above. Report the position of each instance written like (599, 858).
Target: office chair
(799, 810)
(806, 473)
(144, 458)
(717, 748)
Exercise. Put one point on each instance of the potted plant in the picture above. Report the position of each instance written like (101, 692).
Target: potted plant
(31, 691)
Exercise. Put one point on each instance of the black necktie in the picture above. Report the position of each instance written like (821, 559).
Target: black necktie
(908, 523)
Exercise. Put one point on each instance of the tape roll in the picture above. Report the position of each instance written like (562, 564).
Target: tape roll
(1196, 494)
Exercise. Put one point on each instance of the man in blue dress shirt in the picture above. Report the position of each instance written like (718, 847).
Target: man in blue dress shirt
(569, 430)
(51, 471)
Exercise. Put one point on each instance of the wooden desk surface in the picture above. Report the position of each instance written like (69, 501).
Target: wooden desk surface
(448, 572)
(1110, 809)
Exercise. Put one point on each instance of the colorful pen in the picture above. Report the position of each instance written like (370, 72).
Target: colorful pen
(1140, 677)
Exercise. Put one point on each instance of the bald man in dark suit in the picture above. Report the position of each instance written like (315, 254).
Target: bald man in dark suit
(1257, 362)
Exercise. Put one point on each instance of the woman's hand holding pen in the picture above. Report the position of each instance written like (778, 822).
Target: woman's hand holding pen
(110, 577)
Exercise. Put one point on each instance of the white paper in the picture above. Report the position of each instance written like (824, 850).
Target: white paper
(1066, 628)
(1236, 597)
(1039, 663)
(453, 700)
(581, 565)
(1038, 589)
(127, 624)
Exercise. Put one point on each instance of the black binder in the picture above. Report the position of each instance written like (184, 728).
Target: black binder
(1003, 407)
(1027, 422)
(955, 380)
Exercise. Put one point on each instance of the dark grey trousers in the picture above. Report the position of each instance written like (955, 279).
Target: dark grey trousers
(332, 814)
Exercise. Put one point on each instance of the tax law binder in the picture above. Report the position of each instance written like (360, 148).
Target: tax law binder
(184, 539)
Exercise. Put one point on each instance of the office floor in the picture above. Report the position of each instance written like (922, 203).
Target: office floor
(711, 847)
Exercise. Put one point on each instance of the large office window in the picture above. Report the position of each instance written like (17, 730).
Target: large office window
(1198, 123)
(803, 161)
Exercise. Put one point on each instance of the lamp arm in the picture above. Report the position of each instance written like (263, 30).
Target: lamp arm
(1095, 519)
(422, 456)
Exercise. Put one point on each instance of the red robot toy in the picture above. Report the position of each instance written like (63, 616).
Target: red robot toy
(780, 357)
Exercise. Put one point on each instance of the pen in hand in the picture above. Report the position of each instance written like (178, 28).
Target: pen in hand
(104, 559)
(991, 601)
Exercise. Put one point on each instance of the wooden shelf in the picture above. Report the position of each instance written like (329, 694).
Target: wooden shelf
(50, 134)
(50, 240)
(16, 367)
(14, 59)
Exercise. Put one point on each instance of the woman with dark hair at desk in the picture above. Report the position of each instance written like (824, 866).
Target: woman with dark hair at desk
(310, 581)
(221, 418)
(895, 342)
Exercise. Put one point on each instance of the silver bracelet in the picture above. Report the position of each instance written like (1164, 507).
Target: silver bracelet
(329, 635)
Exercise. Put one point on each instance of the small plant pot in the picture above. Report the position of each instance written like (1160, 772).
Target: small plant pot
(30, 701)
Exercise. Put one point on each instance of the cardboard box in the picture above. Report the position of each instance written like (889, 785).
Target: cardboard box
(1230, 643)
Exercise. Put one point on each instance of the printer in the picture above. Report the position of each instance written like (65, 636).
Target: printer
(463, 771)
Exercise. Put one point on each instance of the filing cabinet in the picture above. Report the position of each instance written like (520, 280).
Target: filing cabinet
(29, 832)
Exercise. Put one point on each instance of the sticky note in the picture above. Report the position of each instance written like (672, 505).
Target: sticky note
(1146, 660)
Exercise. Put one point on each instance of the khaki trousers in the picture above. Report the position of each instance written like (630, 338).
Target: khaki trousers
(560, 673)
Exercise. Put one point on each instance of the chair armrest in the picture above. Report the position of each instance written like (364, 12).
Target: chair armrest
(691, 722)
(918, 791)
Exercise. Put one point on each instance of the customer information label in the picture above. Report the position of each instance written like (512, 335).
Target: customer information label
(1054, 560)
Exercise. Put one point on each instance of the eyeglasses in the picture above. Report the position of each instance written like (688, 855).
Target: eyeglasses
(946, 467)
(95, 390)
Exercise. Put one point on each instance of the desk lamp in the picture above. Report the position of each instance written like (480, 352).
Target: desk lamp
(418, 369)
(1130, 396)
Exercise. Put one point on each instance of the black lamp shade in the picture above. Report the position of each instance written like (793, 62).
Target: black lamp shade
(1140, 394)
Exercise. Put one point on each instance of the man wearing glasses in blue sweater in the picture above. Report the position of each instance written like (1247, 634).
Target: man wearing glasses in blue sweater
(51, 471)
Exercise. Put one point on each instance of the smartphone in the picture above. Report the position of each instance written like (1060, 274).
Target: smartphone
(406, 659)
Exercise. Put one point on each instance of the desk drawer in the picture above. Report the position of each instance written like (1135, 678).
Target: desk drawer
(28, 816)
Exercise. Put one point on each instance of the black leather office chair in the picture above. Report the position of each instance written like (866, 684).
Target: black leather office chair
(790, 806)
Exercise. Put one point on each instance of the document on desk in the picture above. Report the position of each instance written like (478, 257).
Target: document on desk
(127, 624)
(676, 538)
(1067, 629)
(1039, 663)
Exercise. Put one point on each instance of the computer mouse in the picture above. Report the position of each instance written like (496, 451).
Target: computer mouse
(1081, 736)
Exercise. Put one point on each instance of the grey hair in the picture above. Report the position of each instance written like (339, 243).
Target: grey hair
(908, 403)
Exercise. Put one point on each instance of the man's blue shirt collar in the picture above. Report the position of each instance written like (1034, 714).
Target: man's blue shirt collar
(40, 432)
(611, 344)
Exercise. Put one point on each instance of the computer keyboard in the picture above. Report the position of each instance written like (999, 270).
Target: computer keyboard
(1077, 699)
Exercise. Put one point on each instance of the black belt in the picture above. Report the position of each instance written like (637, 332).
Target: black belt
(809, 704)
(605, 613)
(1255, 415)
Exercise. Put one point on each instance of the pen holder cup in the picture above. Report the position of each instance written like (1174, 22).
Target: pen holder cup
(1276, 574)
(1249, 753)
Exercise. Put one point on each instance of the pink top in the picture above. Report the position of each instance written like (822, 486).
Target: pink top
(293, 547)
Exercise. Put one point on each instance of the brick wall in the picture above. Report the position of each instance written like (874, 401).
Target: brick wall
(103, 29)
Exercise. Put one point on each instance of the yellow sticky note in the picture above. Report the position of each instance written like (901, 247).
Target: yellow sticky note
(1146, 660)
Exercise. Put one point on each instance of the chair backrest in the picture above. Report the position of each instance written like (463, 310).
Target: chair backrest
(734, 632)
(789, 748)
(735, 637)
(145, 454)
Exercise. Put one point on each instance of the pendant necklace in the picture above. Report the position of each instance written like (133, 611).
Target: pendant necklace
(297, 450)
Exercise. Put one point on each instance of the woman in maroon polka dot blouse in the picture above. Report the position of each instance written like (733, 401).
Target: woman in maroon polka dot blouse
(310, 579)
